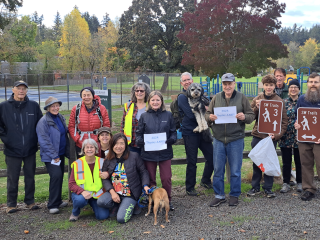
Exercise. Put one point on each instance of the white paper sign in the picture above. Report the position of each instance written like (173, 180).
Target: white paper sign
(225, 115)
(55, 163)
(155, 142)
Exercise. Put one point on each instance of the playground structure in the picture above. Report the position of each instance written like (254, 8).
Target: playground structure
(250, 89)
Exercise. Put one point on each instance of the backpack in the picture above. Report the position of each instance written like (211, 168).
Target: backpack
(98, 112)
(175, 111)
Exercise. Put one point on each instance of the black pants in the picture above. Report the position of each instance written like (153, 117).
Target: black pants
(257, 173)
(13, 172)
(287, 164)
(192, 143)
(56, 174)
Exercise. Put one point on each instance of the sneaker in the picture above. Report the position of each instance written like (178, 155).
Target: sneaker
(285, 188)
(299, 187)
(136, 210)
(193, 192)
(33, 206)
(253, 192)
(171, 206)
(307, 196)
(292, 183)
(73, 218)
(233, 201)
(206, 185)
(217, 201)
(54, 210)
(114, 210)
(63, 204)
(269, 193)
(11, 209)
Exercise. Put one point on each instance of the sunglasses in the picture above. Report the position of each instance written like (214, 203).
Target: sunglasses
(142, 91)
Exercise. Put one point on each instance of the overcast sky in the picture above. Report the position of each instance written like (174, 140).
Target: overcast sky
(302, 12)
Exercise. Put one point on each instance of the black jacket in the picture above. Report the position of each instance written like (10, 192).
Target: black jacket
(136, 172)
(18, 121)
(157, 122)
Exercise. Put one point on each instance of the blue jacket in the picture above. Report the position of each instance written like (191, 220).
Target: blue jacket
(303, 103)
(49, 138)
(189, 121)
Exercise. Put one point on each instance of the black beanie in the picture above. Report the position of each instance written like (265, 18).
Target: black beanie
(294, 82)
(89, 88)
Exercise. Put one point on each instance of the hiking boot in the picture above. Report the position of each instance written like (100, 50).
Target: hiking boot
(206, 185)
(11, 209)
(307, 196)
(233, 201)
(217, 201)
(171, 206)
(299, 187)
(33, 206)
(63, 204)
(73, 218)
(113, 211)
(193, 192)
(54, 210)
(136, 210)
(269, 193)
(253, 192)
(285, 188)
(292, 183)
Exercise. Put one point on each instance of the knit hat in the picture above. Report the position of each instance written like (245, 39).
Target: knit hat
(88, 88)
(50, 101)
(294, 82)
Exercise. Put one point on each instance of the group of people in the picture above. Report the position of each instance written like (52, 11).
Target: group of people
(112, 171)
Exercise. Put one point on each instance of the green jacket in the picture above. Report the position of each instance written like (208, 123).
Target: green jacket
(282, 92)
(231, 131)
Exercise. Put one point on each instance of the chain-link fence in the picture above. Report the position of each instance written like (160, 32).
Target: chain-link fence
(66, 86)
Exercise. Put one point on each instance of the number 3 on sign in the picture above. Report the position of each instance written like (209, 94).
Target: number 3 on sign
(314, 120)
(275, 112)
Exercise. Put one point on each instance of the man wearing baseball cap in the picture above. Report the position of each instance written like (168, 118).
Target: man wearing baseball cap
(228, 139)
(18, 120)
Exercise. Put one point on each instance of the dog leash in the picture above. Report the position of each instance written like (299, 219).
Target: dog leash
(143, 200)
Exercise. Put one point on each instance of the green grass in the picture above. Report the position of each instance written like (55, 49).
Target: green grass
(57, 225)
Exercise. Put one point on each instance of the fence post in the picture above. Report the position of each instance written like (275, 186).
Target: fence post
(257, 86)
(121, 90)
(68, 89)
(5, 86)
(38, 87)
(71, 160)
(302, 82)
(218, 85)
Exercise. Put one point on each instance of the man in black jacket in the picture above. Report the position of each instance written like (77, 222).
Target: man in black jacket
(18, 120)
(193, 141)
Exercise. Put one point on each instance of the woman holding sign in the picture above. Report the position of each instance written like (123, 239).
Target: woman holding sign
(156, 121)
(269, 84)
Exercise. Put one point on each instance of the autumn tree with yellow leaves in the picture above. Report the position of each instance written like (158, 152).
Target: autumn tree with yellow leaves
(74, 43)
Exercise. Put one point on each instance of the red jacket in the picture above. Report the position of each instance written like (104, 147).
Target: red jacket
(88, 121)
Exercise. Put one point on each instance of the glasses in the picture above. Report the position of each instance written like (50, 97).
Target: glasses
(293, 87)
(311, 82)
(142, 91)
(186, 80)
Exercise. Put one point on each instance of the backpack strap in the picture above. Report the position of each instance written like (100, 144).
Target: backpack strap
(98, 111)
(77, 119)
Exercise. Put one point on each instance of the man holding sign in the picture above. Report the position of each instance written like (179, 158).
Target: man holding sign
(228, 113)
(308, 138)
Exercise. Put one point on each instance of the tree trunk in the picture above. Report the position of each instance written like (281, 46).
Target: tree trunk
(165, 83)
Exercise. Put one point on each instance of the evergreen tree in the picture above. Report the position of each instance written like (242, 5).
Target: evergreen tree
(57, 28)
(105, 20)
(8, 10)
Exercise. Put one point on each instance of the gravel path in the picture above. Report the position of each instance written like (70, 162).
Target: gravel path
(284, 217)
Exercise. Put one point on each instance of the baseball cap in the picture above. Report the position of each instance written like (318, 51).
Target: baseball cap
(18, 83)
(228, 77)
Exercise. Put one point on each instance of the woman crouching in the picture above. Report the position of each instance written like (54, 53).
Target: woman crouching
(128, 177)
(85, 181)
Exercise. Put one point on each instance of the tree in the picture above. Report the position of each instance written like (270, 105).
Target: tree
(315, 67)
(57, 28)
(148, 30)
(92, 21)
(309, 51)
(74, 42)
(233, 36)
(8, 10)
(105, 20)
(48, 52)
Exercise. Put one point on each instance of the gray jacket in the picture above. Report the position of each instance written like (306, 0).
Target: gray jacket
(231, 131)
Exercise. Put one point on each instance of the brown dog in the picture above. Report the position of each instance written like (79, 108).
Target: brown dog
(160, 198)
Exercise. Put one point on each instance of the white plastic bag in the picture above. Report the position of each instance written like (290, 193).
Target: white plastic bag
(265, 157)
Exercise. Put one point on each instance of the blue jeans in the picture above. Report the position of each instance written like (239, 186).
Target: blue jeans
(232, 150)
(79, 202)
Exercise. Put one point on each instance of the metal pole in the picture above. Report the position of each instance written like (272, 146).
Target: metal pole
(5, 86)
(121, 90)
(38, 88)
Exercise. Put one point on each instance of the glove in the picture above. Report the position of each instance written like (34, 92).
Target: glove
(140, 143)
(170, 141)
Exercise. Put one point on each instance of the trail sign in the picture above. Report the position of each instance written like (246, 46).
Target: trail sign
(308, 118)
(270, 116)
